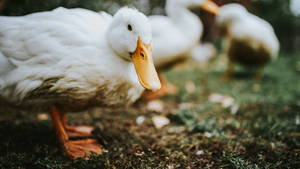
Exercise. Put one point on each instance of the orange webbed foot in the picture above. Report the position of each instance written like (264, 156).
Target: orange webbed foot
(81, 148)
(79, 131)
(74, 148)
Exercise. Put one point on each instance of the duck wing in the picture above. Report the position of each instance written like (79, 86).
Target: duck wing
(48, 36)
(48, 45)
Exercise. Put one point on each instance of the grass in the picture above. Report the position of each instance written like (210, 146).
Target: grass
(263, 133)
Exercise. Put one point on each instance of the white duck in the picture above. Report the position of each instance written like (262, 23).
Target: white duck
(295, 7)
(250, 40)
(175, 35)
(72, 59)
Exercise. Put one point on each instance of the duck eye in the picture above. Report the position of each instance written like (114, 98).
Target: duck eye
(129, 27)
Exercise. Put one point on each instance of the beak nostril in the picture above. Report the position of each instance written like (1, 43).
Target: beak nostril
(142, 54)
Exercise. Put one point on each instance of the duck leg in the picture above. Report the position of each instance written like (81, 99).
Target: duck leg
(166, 88)
(76, 131)
(229, 72)
(259, 74)
(73, 148)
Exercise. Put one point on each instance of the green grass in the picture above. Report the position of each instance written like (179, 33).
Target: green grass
(264, 133)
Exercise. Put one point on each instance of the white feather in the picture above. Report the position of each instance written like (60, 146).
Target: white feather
(71, 46)
(177, 33)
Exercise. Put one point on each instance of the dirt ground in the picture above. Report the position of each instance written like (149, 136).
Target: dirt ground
(213, 123)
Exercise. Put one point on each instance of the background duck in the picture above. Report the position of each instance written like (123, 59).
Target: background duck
(295, 7)
(175, 35)
(72, 59)
(250, 40)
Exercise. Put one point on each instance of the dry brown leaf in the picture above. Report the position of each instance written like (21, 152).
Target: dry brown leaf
(43, 116)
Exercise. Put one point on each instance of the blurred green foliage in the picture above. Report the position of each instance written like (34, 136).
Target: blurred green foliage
(22, 7)
(276, 12)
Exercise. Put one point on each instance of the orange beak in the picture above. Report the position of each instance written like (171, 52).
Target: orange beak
(211, 7)
(144, 67)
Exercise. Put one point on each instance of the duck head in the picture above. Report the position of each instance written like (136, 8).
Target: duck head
(231, 13)
(129, 35)
(207, 5)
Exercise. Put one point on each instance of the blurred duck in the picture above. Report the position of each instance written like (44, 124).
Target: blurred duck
(295, 7)
(73, 59)
(175, 35)
(250, 40)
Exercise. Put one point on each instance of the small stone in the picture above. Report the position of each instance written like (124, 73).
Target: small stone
(297, 120)
(273, 146)
(186, 105)
(155, 105)
(170, 166)
(190, 87)
(216, 98)
(234, 109)
(199, 152)
(227, 102)
(160, 121)
(43, 116)
(139, 153)
(140, 120)
(256, 87)
(207, 134)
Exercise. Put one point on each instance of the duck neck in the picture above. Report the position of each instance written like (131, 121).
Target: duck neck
(187, 22)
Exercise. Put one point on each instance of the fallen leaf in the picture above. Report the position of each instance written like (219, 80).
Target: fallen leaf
(43, 116)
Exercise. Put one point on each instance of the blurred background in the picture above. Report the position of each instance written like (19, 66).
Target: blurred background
(280, 13)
